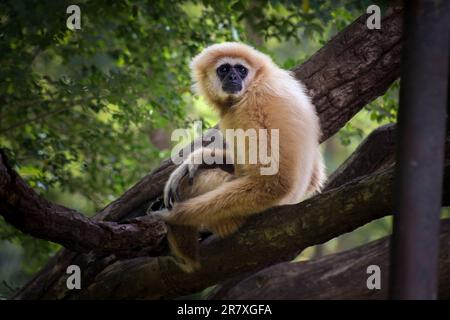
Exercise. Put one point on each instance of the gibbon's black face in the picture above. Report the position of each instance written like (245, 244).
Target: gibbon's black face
(231, 77)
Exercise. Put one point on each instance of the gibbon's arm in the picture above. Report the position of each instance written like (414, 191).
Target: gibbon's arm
(233, 200)
(189, 168)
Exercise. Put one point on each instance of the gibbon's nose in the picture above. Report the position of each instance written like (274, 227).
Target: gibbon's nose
(233, 76)
(232, 82)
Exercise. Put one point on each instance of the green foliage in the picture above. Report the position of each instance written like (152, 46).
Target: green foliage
(78, 109)
(385, 108)
(38, 251)
(350, 130)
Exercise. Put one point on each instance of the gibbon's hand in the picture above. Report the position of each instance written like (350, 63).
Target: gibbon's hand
(178, 215)
(172, 189)
(165, 215)
(160, 214)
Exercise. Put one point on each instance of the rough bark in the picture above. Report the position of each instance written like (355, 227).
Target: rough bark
(276, 235)
(374, 60)
(356, 66)
(337, 276)
(375, 152)
(23, 208)
(358, 160)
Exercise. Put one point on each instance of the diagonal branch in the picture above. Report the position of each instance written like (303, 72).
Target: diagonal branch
(276, 235)
(375, 152)
(22, 207)
(355, 67)
(336, 276)
(379, 139)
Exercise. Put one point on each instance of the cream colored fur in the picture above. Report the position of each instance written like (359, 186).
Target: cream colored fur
(271, 98)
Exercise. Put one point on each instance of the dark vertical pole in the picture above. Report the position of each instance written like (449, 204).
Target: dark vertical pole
(420, 155)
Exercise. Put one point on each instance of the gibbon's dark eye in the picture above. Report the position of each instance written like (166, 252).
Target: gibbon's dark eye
(242, 70)
(223, 69)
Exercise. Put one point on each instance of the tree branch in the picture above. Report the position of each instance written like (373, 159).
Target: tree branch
(336, 276)
(372, 154)
(375, 152)
(22, 207)
(276, 235)
(352, 69)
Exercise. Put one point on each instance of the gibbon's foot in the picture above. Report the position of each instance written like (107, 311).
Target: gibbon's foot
(172, 188)
(172, 216)
(185, 265)
(183, 243)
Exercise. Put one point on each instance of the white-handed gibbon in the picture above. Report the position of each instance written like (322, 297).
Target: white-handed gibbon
(249, 92)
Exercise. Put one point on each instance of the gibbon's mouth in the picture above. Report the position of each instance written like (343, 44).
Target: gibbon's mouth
(232, 87)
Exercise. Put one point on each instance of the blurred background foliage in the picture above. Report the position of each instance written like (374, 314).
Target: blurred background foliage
(84, 114)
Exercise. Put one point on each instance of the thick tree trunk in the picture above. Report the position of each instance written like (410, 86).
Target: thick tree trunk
(337, 276)
(352, 69)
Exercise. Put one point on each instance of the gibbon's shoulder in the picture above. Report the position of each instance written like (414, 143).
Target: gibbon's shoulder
(282, 86)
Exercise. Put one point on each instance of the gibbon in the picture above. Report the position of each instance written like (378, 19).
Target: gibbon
(249, 92)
